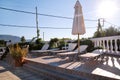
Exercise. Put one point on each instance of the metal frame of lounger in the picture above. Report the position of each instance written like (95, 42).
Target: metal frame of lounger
(91, 56)
(72, 54)
(58, 51)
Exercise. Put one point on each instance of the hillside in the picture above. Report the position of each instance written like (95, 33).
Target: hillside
(10, 37)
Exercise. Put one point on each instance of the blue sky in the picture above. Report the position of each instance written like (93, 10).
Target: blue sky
(59, 8)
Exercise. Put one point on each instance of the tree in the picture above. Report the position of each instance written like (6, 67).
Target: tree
(38, 41)
(23, 39)
(111, 31)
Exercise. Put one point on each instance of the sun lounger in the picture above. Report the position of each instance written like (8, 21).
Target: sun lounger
(72, 54)
(44, 49)
(92, 56)
(82, 49)
(71, 47)
(36, 53)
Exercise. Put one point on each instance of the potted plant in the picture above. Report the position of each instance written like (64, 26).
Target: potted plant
(18, 54)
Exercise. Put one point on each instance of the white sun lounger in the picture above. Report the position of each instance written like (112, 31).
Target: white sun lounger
(94, 55)
(72, 53)
(71, 46)
(43, 49)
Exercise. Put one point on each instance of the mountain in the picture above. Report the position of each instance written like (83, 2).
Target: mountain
(10, 37)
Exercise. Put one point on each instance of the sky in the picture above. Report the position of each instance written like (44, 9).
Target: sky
(92, 10)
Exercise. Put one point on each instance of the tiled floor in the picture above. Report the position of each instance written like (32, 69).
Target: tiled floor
(9, 73)
(109, 67)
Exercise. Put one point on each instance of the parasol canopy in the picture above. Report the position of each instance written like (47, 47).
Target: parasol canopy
(78, 27)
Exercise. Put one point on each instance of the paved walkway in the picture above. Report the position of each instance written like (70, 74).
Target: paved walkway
(9, 73)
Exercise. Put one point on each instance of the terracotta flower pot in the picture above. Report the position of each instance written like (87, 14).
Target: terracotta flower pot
(19, 62)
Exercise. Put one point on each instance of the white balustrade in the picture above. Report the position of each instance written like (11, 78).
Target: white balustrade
(107, 43)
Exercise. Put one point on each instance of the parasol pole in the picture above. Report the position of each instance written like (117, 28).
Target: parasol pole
(78, 45)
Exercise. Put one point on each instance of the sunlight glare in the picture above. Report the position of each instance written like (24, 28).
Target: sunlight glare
(107, 9)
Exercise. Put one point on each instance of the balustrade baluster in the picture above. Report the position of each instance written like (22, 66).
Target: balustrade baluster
(97, 43)
(111, 46)
(116, 47)
(103, 44)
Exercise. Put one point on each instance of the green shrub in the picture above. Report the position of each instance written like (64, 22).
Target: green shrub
(61, 44)
(36, 46)
(88, 42)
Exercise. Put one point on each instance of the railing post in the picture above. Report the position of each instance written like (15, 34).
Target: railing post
(103, 44)
(116, 47)
(97, 43)
(111, 46)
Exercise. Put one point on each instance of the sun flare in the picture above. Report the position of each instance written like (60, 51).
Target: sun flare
(107, 9)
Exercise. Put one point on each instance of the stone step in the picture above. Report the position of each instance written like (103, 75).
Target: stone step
(55, 72)
(52, 74)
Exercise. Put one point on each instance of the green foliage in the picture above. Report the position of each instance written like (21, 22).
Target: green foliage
(35, 46)
(38, 41)
(23, 39)
(99, 34)
(54, 43)
(2, 43)
(87, 42)
(61, 43)
(111, 31)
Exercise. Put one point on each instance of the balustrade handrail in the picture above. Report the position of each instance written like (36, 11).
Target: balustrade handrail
(104, 38)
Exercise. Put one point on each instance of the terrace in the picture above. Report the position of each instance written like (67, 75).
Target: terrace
(53, 67)
(108, 68)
